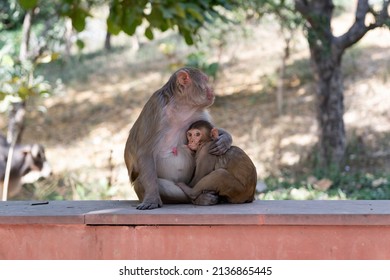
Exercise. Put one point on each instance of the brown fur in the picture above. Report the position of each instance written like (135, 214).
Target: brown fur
(28, 165)
(155, 154)
(232, 176)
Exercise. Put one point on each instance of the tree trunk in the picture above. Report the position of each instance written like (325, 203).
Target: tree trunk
(27, 23)
(326, 62)
(68, 38)
(282, 75)
(107, 42)
(325, 57)
(330, 111)
(16, 122)
(326, 53)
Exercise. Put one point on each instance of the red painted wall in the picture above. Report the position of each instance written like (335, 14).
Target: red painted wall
(63, 241)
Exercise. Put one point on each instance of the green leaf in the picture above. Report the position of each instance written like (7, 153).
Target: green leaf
(113, 28)
(164, 26)
(78, 17)
(24, 92)
(2, 96)
(195, 14)
(180, 11)
(78, 23)
(80, 44)
(129, 29)
(130, 22)
(212, 69)
(156, 16)
(47, 58)
(187, 36)
(149, 33)
(115, 18)
(167, 13)
(131, 17)
(7, 61)
(28, 4)
(65, 9)
(204, 3)
(136, 23)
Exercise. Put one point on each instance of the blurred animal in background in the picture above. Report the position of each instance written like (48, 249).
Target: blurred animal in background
(28, 165)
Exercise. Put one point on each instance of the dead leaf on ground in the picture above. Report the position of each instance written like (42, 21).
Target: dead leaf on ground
(323, 184)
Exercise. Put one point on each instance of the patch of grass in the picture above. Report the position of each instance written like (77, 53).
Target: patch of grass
(77, 68)
(68, 186)
(351, 64)
(345, 185)
(299, 73)
(359, 178)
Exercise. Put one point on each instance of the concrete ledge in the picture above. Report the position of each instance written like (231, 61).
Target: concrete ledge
(259, 230)
(256, 213)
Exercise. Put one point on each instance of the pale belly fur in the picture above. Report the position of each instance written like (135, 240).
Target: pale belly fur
(176, 166)
(175, 161)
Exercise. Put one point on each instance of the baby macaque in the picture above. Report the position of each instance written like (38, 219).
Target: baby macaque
(232, 176)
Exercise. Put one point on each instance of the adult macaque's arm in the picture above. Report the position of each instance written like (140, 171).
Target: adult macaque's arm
(222, 144)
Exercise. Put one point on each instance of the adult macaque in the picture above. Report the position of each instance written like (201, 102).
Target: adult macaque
(232, 176)
(156, 154)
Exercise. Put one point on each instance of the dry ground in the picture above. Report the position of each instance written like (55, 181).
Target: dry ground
(85, 127)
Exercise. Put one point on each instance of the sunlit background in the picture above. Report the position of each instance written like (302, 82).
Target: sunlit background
(91, 95)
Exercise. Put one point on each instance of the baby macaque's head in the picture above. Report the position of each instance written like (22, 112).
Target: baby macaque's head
(199, 133)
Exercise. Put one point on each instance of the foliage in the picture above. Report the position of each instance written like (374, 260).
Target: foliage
(199, 60)
(11, 15)
(76, 10)
(17, 80)
(127, 16)
(284, 11)
(9, 42)
(188, 17)
(48, 29)
(68, 186)
(345, 185)
(327, 51)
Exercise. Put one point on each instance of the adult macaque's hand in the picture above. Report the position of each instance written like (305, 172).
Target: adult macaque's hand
(222, 144)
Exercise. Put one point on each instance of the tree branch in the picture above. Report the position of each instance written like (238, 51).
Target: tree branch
(381, 17)
(304, 8)
(318, 15)
(359, 28)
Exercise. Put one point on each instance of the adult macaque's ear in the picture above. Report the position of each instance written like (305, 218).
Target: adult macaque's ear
(214, 133)
(183, 78)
